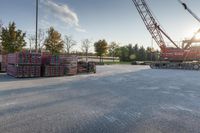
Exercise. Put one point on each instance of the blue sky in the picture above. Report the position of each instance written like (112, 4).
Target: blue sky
(113, 20)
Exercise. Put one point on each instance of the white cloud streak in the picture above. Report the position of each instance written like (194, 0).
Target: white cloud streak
(63, 13)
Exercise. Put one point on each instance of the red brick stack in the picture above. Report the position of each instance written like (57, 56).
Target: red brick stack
(54, 65)
(51, 66)
(70, 65)
(24, 64)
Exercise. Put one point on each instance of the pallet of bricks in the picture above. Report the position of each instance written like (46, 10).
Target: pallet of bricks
(24, 64)
(70, 65)
(58, 65)
(51, 65)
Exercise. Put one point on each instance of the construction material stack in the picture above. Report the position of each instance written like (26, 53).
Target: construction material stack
(3, 63)
(51, 66)
(24, 64)
(58, 65)
(70, 65)
(86, 67)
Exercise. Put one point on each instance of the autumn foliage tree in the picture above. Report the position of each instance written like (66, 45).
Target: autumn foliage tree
(13, 40)
(54, 42)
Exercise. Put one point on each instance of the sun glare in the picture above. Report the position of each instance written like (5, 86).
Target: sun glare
(197, 36)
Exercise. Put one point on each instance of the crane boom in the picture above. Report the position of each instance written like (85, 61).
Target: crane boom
(189, 10)
(151, 24)
(193, 39)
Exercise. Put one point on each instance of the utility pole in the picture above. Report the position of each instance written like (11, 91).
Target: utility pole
(36, 30)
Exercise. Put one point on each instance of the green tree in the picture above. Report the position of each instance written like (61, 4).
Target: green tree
(1, 25)
(142, 54)
(113, 50)
(53, 42)
(101, 48)
(124, 54)
(13, 40)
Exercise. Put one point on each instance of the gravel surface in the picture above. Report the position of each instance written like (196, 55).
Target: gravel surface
(118, 99)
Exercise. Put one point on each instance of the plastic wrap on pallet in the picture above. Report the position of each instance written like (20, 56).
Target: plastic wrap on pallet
(24, 58)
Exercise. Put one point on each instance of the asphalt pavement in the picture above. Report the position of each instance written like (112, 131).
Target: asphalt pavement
(118, 99)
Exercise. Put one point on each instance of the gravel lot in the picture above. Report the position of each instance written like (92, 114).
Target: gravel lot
(118, 99)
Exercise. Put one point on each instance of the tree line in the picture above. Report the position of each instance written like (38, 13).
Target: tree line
(14, 40)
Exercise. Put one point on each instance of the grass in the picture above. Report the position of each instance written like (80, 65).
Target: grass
(115, 63)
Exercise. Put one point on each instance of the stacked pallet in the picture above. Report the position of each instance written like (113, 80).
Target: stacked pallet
(92, 67)
(52, 71)
(82, 67)
(24, 64)
(51, 66)
(54, 65)
(86, 67)
(70, 65)
(4, 63)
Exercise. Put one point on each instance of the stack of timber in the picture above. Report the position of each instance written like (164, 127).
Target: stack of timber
(24, 64)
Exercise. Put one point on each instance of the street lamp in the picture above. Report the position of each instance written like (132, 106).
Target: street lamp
(36, 30)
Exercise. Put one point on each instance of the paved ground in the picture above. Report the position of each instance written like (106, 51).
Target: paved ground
(118, 99)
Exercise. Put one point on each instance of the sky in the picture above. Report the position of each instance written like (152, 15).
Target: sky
(113, 20)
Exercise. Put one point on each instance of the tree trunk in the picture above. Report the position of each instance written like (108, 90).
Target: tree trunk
(86, 56)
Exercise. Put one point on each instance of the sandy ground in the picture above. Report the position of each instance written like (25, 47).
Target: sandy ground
(118, 99)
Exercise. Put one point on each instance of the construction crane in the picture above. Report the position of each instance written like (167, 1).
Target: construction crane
(189, 10)
(171, 57)
(187, 43)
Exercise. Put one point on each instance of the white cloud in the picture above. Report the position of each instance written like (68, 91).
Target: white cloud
(63, 13)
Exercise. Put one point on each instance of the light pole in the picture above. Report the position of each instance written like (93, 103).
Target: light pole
(36, 30)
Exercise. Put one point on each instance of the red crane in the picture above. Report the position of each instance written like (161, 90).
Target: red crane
(188, 43)
(172, 57)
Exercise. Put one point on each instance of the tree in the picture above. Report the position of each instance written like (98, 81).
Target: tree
(124, 55)
(53, 42)
(69, 43)
(142, 54)
(1, 25)
(13, 40)
(41, 39)
(113, 49)
(31, 39)
(85, 47)
(101, 48)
